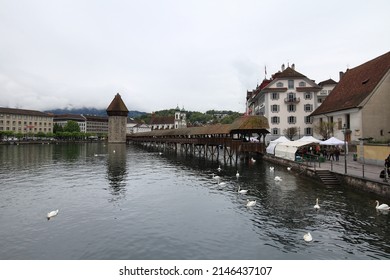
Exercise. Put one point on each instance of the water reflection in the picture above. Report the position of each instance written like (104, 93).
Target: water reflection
(116, 168)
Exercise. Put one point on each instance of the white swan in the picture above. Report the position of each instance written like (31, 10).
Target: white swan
(52, 214)
(288, 168)
(382, 206)
(253, 160)
(250, 203)
(216, 177)
(278, 179)
(237, 174)
(219, 168)
(241, 191)
(221, 184)
(307, 237)
(317, 206)
(271, 168)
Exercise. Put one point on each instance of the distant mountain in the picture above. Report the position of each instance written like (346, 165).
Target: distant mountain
(91, 111)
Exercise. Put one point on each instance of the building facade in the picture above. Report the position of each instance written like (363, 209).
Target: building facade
(63, 119)
(25, 121)
(359, 104)
(287, 100)
(179, 120)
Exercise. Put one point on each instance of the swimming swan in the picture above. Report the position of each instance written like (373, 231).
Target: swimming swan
(250, 203)
(241, 191)
(237, 174)
(307, 237)
(382, 206)
(271, 168)
(52, 214)
(317, 206)
(277, 178)
(216, 177)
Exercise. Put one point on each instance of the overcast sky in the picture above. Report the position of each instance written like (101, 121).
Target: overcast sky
(200, 54)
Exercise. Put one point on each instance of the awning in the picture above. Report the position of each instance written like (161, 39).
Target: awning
(288, 149)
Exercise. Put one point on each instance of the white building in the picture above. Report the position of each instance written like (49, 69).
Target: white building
(133, 126)
(169, 122)
(287, 100)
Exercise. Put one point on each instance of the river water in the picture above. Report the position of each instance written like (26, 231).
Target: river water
(127, 202)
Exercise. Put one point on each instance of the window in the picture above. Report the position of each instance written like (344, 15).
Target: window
(291, 108)
(275, 120)
(291, 119)
(308, 119)
(291, 96)
(308, 95)
(274, 108)
(339, 124)
(308, 131)
(280, 84)
(275, 96)
(302, 84)
(290, 83)
(308, 107)
(275, 131)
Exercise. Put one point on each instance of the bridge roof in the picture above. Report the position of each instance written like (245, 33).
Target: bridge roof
(251, 124)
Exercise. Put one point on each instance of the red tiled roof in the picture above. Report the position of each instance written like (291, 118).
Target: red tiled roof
(163, 120)
(355, 85)
(327, 82)
(23, 112)
(288, 73)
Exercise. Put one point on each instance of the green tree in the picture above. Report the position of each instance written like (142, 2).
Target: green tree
(57, 128)
(71, 126)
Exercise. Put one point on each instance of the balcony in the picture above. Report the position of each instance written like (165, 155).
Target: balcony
(292, 100)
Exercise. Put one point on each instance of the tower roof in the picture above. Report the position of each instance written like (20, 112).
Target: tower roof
(117, 107)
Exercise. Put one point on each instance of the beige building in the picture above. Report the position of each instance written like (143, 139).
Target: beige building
(25, 121)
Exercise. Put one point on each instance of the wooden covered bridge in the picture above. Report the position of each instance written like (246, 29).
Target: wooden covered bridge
(245, 135)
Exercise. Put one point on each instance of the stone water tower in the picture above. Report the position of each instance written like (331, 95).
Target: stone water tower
(117, 120)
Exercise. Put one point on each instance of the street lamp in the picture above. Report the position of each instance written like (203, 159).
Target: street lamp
(344, 130)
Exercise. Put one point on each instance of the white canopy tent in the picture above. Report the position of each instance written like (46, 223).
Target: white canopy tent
(309, 138)
(288, 149)
(333, 141)
(272, 144)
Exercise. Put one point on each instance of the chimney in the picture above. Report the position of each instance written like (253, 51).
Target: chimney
(341, 74)
(293, 66)
(283, 67)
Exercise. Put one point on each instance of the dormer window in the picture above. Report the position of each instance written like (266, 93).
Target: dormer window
(302, 84)
(279, 84)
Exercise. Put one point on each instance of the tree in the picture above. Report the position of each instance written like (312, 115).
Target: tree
(71, 126)
(290, 132)
(325, 129)
(57, 128)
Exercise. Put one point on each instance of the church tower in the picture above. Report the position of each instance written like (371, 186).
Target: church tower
(180, 118)
(117, 120)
